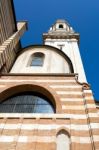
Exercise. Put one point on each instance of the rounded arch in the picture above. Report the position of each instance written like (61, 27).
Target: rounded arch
(38, 54)
(63, 130)
(46, 91)
(53, 49)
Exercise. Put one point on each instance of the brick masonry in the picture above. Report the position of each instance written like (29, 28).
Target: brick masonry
(76, 113)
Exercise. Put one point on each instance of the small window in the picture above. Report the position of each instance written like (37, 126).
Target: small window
(60, 26)
(37, 59)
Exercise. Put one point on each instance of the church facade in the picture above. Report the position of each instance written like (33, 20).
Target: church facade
(45, 99)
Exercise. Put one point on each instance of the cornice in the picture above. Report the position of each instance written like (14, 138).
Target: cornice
(61, 36)
(40, 74)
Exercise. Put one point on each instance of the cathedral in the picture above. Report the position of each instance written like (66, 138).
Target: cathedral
(46, 102)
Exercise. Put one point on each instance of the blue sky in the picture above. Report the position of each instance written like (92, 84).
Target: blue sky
(82, 15)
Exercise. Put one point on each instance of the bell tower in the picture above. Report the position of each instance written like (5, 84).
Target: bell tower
(62, 36)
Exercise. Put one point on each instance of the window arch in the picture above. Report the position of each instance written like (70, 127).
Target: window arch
(37, 59)
(61, 26)
(63, 141)
(27, 102)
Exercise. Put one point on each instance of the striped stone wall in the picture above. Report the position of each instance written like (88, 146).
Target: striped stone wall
(97, 106)
(75, 112)
(7, 22)
(8, 51)
(10, 34)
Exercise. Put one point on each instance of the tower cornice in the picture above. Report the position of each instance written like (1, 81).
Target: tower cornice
(61, 36)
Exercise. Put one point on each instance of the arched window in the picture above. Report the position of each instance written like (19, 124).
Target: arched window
(37, 59)
(63, 141)
(61, 26)
(27, 103)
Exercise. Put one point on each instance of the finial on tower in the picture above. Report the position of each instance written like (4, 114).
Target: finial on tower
(61, 29)
(61, 26)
